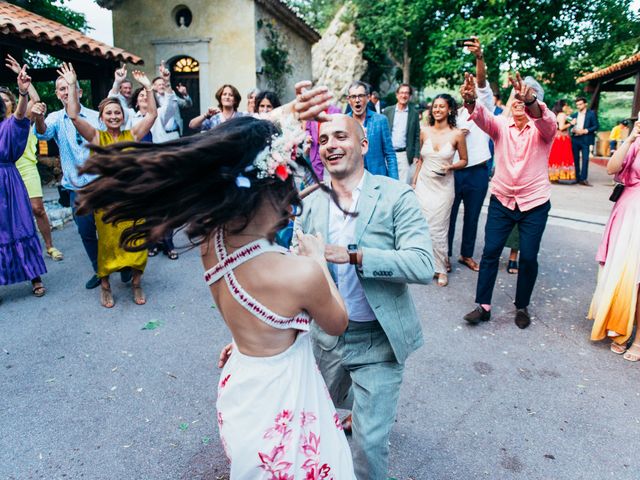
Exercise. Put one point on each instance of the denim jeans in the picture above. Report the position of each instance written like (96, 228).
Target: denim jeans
(471, 185)
(364, 361)
(87, 229)
(500, 223)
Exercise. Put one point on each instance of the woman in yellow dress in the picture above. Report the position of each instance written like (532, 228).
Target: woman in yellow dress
(111, 256)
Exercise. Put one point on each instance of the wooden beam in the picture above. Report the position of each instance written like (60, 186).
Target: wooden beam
(595, 99)
(617, 88)
(636, 98)
(85, 72)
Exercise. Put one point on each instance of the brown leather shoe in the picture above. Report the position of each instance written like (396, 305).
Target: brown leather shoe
(469, 263)
(478, 315)
(523, 320)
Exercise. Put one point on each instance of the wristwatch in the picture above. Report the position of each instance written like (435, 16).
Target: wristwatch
(353, 253)
(535, 99)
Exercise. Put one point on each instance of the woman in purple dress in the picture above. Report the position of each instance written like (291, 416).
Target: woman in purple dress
(20, 251)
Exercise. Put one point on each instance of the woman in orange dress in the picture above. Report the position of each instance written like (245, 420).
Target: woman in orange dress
(561, 166)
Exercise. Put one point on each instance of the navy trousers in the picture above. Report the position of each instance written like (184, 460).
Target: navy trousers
(87, 229)
(580, 146)
(500, 222)
(471, 186)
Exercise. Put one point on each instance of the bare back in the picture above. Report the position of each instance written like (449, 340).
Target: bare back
(274, 280)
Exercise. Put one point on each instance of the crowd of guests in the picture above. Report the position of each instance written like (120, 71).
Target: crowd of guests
(381, 194)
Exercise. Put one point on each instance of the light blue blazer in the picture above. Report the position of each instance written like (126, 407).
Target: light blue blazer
(394, 238)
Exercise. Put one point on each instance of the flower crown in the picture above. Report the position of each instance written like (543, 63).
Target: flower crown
(276, 159)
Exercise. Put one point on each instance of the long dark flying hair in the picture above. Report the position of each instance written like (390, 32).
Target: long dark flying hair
(187, 183)
(453, 109)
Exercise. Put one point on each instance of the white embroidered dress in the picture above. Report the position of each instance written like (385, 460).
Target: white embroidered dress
(275, 416)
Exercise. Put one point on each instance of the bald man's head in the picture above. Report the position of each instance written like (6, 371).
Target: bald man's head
(343, 144)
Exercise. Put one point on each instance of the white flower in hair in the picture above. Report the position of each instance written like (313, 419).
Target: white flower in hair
(275, 160)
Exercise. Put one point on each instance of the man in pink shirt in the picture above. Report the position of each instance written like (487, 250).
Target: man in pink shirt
(520, 190)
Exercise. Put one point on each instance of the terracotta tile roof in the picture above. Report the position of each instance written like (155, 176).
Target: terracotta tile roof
(627, 62)
(23, 24)
(287, 15)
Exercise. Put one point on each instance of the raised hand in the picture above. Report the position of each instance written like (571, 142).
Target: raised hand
(24, 81)
(164, 72)
(38, 109)
(120, 74)
(311, 104)
(182, 90)
(67, 72)
(635, 131)
(142, 79)
(474, 47)
(523, 92)
(468, 88)
(12, 64)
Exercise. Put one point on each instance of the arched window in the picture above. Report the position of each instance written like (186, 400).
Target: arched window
(186, 65)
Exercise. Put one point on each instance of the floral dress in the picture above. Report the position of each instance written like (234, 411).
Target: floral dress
(275, 415)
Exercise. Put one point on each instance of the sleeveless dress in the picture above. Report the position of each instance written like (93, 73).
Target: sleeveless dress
(436, 194)
(561, 165)
(20, 251)
(614, 302)
(275, 415)
(28, 167)
(112, 258)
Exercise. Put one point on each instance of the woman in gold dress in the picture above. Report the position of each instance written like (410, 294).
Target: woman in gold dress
(111, 256)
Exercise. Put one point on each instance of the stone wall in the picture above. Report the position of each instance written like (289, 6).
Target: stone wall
(337, 57)
(299, 53)
(221, 38)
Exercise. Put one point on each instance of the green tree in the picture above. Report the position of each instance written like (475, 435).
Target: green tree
(55, 11)
(552, 40)
(317, 13)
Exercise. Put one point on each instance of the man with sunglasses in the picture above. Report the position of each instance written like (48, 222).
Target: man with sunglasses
(381, 158)
(73, 153)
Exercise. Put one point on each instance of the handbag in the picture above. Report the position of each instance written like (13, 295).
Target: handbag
(617, 192)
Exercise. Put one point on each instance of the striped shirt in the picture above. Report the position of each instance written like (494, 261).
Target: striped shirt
(73, 150)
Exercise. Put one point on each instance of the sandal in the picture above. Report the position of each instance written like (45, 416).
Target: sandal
(38, 290)
(153, 251)
(106, 298)
(470, 263)
(633, 354)
(512, 267)
(172, 254)
(447, 264)
(55, 254)
(443, 280)
(617, 348)
(138, 294)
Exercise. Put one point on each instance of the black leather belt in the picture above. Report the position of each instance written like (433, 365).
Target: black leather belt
(171, 131)
(400, 149)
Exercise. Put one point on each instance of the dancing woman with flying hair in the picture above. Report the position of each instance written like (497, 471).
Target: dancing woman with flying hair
(232, 189)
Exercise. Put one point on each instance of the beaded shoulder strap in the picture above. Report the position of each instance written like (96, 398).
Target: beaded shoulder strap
(225, 267)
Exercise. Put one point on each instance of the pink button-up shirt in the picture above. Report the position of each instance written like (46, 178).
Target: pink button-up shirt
(521, 157)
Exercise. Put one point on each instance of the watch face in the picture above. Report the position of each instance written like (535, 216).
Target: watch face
(352, 248)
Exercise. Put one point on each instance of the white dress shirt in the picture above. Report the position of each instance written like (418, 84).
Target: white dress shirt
(342, 232)
(477, 141)
(399, 128)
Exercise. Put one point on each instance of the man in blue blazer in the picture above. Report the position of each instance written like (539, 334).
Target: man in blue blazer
(381, 157)
(372, 255)
(583, 135)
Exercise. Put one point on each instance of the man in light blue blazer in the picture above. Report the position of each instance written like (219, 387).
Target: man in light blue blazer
(374, 250)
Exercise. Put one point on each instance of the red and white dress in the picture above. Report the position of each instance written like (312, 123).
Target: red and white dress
(275, 415)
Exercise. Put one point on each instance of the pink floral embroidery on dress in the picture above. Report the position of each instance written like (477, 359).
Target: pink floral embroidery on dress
(337, 421)
(275, 462)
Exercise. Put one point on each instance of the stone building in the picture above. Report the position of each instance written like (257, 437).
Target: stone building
(207, 43)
